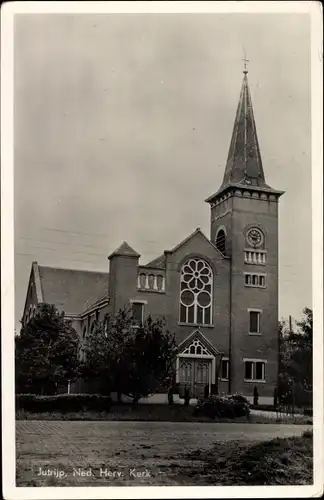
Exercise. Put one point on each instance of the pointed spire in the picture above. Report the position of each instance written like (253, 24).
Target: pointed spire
(244, 164)
(125, 250)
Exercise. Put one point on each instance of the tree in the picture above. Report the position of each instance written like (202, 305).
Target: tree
(127, 358)
(296, 368)
(47, 352)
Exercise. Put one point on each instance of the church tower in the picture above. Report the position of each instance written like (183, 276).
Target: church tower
(244, 227)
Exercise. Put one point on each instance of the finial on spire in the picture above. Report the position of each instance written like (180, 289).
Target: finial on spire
(245, 71)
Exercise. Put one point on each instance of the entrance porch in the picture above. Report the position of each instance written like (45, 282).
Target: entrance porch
(197, 366)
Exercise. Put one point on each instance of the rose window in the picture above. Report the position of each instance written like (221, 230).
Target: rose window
(196, 292)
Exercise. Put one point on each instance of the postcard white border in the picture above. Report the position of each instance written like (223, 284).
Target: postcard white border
(7, 248)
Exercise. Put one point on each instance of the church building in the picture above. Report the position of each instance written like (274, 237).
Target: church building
(218, 294)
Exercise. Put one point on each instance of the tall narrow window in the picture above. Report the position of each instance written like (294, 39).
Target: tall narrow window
(248, 279)
(138, 312)
(259, 370)
(142, 280)
(151, 281)
(225, 369)
(159, 282)
(248, 370)
(254, 322)
(262, 281)
(196, 292)
(221, 241)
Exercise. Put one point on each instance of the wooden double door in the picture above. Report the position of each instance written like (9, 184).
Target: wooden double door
(195, 374)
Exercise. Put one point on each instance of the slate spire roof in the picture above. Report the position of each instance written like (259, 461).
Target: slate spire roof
(125, 250)
(244, 164)
(244, 158)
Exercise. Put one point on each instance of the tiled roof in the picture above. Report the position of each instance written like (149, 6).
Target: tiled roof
(97, 302)
(72, 291)
(125, 250)
(158, 263)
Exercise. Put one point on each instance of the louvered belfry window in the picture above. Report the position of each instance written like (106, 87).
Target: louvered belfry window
(221, 241)
(196, 285)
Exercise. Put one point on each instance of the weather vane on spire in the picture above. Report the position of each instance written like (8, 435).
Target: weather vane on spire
(245, 63)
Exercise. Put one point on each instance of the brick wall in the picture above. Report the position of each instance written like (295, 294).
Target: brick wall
(246, 212)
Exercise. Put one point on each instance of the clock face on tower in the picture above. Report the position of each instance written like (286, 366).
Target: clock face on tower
(255, 237)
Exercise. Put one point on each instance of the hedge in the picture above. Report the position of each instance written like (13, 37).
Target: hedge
(62, 403)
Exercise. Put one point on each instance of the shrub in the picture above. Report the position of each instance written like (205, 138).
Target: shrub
(62, 403)
(230, 406)
(240, 398)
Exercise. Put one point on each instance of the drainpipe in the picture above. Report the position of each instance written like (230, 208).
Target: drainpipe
(219, 364)
(230, 333)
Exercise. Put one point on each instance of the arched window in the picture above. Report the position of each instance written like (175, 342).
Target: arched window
(142, 280)
(159, 281)
(151, 281)
(84, 334)
(196, 293)
(93, 326)
(185, 372)
(221, 241)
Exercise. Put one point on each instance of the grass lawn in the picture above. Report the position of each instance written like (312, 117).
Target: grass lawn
(281, 461)
(104, 453)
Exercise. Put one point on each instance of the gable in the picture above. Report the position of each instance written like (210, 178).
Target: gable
(197, 344)
(196, 244)
(31, 297)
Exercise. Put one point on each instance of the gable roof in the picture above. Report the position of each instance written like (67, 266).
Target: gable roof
(125, 250)
(194, 233)
(72, 290)
(159, 262)
(197, 334)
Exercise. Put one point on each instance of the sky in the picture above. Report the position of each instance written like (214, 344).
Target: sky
(122, 125)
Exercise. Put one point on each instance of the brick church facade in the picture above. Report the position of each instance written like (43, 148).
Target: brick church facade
(219, 294)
